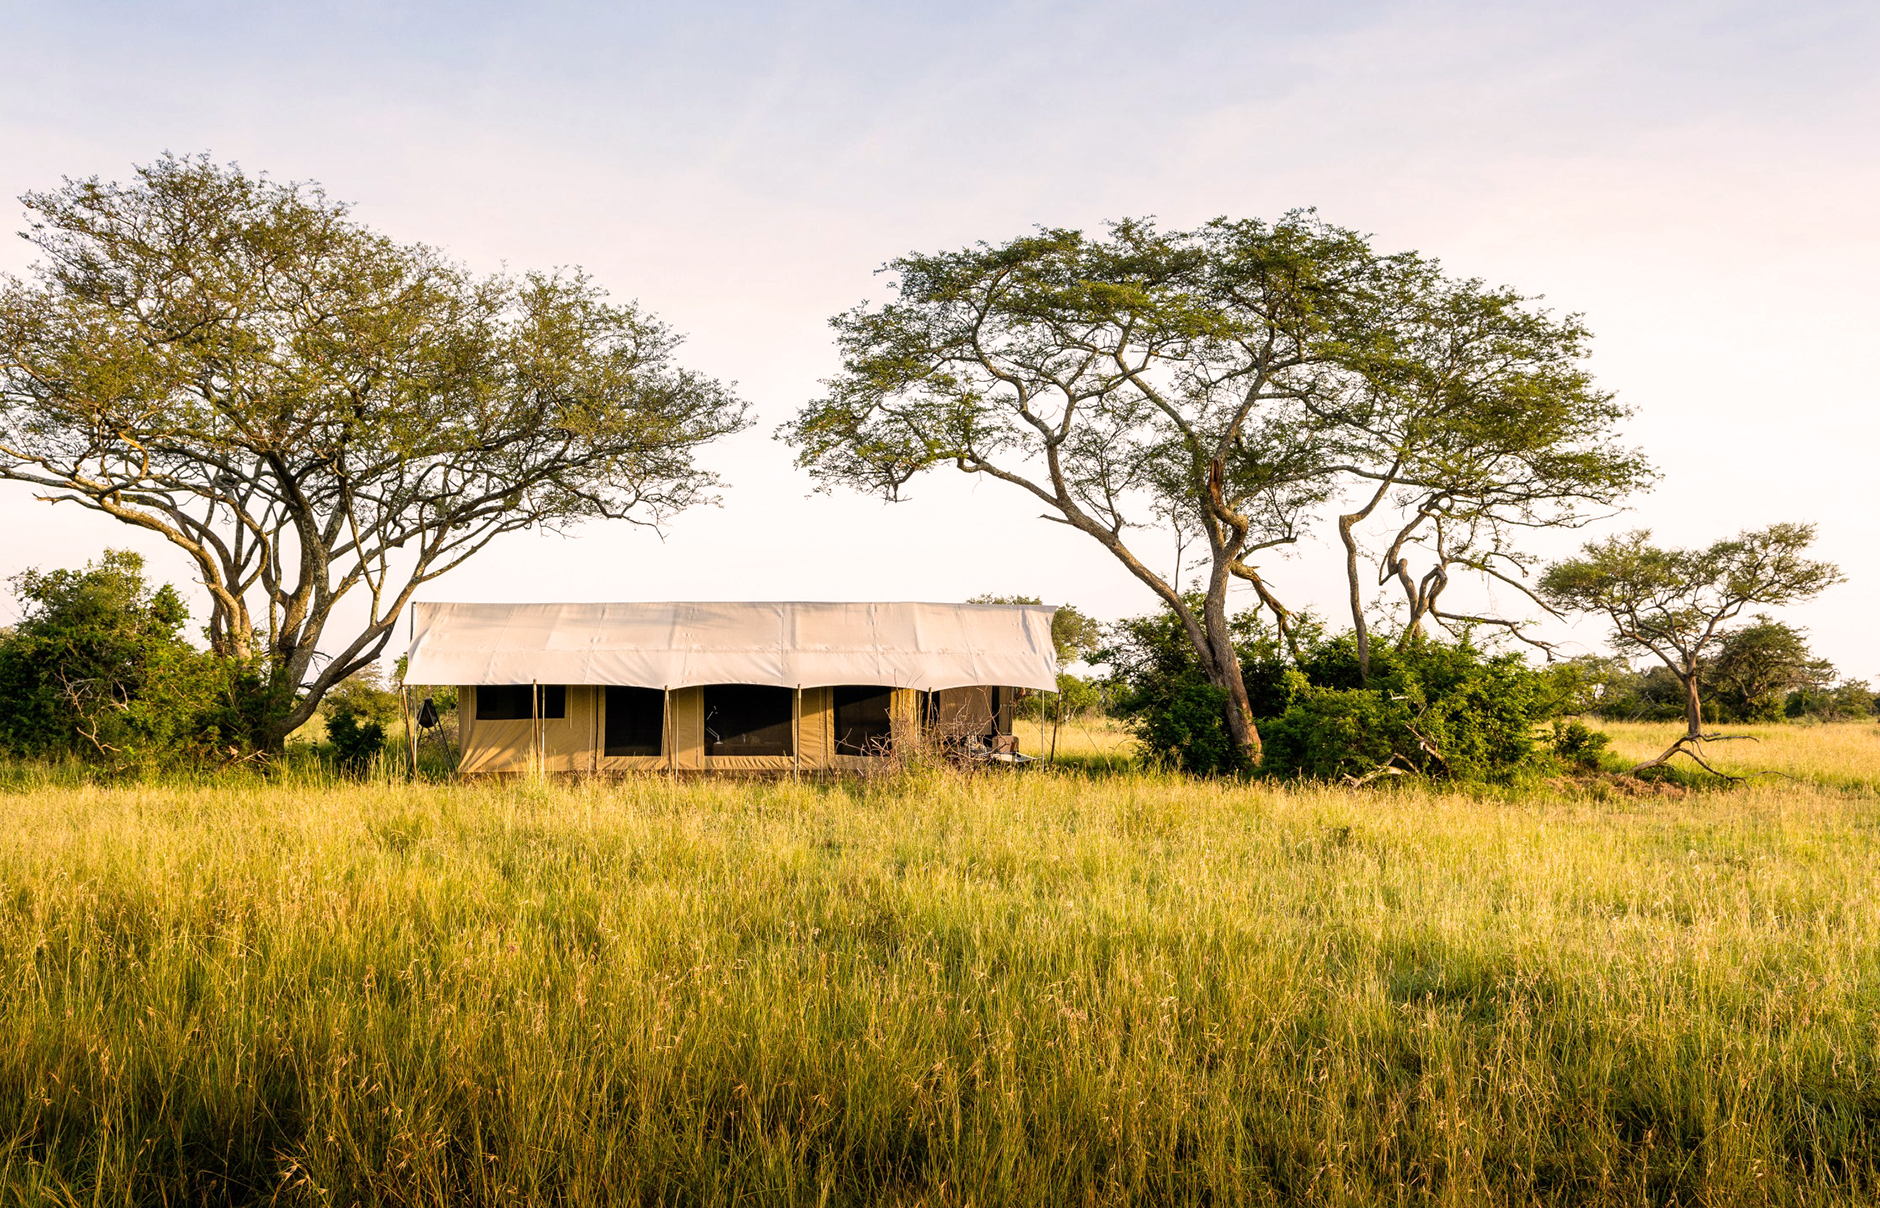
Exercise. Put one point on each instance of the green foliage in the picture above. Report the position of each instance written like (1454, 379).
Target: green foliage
(359, 712)
(1076, 696)
(1757, 667)
(97, 670)
(1433, 707)
(1444, 709)
(1578, 745)
(1161, 691)
(1851, 700)
(355, 740)
(1654, 694)
(1328, 733)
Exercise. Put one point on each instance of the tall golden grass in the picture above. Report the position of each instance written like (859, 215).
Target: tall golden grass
(1030, 988)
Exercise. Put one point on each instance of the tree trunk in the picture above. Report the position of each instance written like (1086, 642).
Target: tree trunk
(1360, 631)
(1693, 708)
(1240, 725)
(1224, 670)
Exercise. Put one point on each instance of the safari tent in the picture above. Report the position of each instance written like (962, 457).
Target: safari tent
(736, 687)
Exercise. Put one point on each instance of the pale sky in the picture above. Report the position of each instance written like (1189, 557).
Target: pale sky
(1700, 180)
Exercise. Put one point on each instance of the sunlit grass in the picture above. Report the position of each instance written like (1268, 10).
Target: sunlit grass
(1004, 989)
(1844, 754)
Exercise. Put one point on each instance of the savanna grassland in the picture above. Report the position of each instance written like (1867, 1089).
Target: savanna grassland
(1059, 988)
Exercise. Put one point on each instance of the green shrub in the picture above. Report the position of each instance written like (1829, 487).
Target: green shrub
(97, 670)
(355, 739)
(1434, 707)
(1852, 700)
(359, 711)
(1578, 745)
(1329, 733)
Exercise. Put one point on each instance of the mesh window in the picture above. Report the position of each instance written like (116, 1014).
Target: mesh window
(636, 720)
(510, 702)
(747, 719)
(862, 720)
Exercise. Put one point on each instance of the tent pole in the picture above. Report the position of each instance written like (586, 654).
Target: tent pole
(411, 734)
(670, 740)
(536, 754)
(404, 700)
(796, 738)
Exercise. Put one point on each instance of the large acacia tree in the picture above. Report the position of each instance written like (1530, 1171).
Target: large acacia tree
(314, 412)
(1236, 384)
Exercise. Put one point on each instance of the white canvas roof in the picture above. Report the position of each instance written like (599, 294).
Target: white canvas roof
(680, 645)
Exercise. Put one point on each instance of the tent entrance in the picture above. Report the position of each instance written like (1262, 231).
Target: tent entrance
(635, 722)
(749, 719)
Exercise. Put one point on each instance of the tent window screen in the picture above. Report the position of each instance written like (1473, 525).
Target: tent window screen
(748, 719)
(863, 726)
(510, 702)
(636, 720)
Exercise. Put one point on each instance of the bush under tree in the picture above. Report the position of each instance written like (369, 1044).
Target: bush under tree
(1428, 706)
(359, 713)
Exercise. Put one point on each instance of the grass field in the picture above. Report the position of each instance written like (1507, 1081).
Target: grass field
(1033, 988)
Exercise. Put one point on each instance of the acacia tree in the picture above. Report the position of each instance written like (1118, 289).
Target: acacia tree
(1675, 603)
(1226, 383)
(312, 411)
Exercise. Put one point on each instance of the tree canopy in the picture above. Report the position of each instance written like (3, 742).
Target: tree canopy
(313, 411)
(1234, 386)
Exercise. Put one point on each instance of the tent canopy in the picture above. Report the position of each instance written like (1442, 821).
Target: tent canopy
(681, 645)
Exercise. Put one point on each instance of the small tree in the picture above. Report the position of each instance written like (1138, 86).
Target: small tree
(1675, 603)
(311, 411)
(1758, 666)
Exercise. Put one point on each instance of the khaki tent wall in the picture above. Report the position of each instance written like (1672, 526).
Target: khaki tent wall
(504, 746)
(573, 744)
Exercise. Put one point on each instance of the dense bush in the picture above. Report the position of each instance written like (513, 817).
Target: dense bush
(97, 670)
(1578, 745)
(1432, 707)
(359, 712)
(1162, 693)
